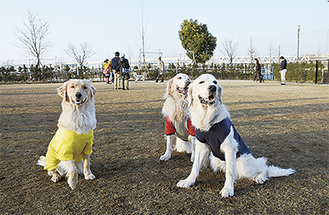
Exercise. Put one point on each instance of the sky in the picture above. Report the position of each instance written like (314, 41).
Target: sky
(110, 26)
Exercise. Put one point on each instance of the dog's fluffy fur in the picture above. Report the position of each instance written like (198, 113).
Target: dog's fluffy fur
(206, 109)
(175, 109)
(78, 115)
(139, 77)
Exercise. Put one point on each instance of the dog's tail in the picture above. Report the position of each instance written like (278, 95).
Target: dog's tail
(274, 171)
(42, 161)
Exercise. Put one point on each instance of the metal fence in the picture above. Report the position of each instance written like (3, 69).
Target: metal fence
(299, 72)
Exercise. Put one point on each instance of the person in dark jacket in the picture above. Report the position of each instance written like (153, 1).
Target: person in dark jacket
(257, 74)
(116, 69)
(125, 72)
(283, 70)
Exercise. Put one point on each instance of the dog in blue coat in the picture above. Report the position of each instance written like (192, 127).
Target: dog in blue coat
(218, 140)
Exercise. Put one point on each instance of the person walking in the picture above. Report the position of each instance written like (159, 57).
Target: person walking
(125, 72)
(161, 70)
(283, 70)
(258, 74)
(107, 70)
(116, 69)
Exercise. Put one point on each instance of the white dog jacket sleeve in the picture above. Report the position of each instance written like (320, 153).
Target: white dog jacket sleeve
(170, 128)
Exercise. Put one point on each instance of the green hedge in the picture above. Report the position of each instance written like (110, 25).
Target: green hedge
(303, 72)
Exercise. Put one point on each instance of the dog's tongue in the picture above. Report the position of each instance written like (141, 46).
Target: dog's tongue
(182, 90)
(209, 99)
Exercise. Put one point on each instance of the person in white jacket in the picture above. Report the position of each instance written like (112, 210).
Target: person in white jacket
(161, 70)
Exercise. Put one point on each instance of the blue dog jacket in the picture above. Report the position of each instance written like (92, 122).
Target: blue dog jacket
(216, 136)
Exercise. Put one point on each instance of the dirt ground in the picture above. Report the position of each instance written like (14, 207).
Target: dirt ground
(286, 124)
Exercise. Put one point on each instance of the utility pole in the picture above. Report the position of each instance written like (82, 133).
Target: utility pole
(328, 69)
(316, 71)
(279, 54)
(143, 48)
(297, 71)
(251, 50)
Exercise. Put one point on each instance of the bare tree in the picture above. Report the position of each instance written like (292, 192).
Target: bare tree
(82, 54)
(7, 64)
(33, 36)
(279, 51)
(270, 48)
(142, 29)
(230, 49)
(252, 52)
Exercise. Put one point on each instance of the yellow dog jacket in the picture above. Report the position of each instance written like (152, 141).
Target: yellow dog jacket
(68, 145)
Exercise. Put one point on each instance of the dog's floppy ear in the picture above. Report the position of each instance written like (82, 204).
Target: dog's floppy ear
(220, 93)
(92, 90)
(169, 85)
(190, 95)
(62, 91)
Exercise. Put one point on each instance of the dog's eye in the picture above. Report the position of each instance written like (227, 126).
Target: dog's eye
(84, 87)
(179, 77)
(201, 82)
(215, 82)
(72, 86)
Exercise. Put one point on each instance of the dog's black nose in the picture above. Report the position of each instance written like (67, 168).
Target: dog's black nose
(78, 95)
(212, 88)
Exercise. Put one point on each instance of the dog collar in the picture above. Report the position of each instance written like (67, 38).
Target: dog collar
(213, 120)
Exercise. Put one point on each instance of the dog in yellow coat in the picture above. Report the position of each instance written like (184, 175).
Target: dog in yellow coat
(69, 151)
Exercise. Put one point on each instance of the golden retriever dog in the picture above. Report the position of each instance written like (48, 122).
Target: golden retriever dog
(69, 151)
(218, 140)
(178, 128)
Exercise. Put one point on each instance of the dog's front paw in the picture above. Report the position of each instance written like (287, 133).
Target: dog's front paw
(55, 178)
(72, 180)
(227, 192)
(89, 176)
(192, 157)
(260, 179)
(185, 183)
(165, 157)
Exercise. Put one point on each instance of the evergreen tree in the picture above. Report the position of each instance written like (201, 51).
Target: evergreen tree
(197, 41)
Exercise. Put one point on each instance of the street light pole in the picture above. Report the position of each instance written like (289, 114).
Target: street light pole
(297, 71)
